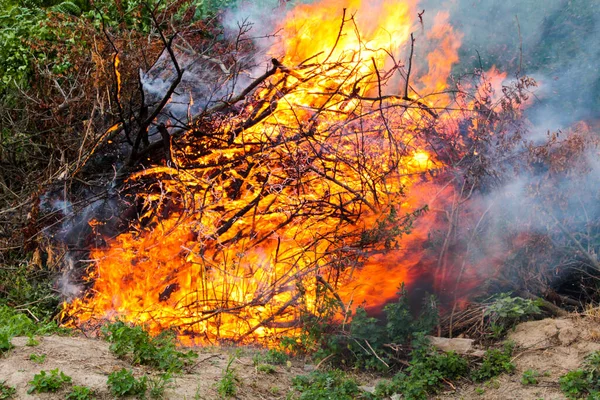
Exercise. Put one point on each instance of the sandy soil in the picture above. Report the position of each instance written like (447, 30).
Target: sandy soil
(550, 346)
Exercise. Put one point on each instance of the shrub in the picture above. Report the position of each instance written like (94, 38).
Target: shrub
(123, 383)
(48, 382)
(272, 356)
(505, 311)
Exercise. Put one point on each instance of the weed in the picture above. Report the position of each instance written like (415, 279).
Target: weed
(14, 324)
(37, 358)
(81, 393)
(32, 341)
(48, 382)
(273, 357)
(6, 392)
(328, 385)
(480, 391)
(495, 362)
(583, 382)
(159, 352)
(574, 384)
(123, 383)
(530, 377)
(427, 370)
(227, 386)
(158, 385)
(506, 311)
(266, 368)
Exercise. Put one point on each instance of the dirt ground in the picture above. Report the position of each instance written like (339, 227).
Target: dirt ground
(551, 347)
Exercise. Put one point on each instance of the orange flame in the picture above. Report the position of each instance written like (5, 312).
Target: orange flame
(232, 250)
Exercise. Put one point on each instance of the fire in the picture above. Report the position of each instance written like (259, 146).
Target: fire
(255, 226)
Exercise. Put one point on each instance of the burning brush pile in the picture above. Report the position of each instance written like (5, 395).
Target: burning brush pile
(351, 164)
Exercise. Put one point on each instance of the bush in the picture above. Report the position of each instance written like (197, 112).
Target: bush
(48, 382)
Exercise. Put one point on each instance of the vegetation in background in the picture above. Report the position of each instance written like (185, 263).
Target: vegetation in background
(13, 323)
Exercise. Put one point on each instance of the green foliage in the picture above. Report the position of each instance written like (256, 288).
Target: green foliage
(495, 362)
(574, 384)
(14, 324)
(81, 393)
(37, 358)
(266, 368)
(583, 382)
(272, 356)
(48, 382)
(227, 385)
(327, 385)
(530, 377)
(6, 392)
(506, 311)
(427, 370)
(159, 352)
(123, 383)
(32, 341)
(368, 336)
(159, 384)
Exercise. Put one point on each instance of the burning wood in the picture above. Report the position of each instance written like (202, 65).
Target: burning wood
(292, 192)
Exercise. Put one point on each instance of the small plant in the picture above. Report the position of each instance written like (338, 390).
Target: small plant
(583, 382)
(574, 384)
(266, 368)
(158, 385)
(48, 382)
(273, 357)
(32, 341)
(6, 392)
(123, 383)
(37, 358)
(506, 311)
(328, 385)
(427, 370)
(530, 377)
(480, 391)
(227, 386)
(495, 362)
(81, 393)
(159, 352)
